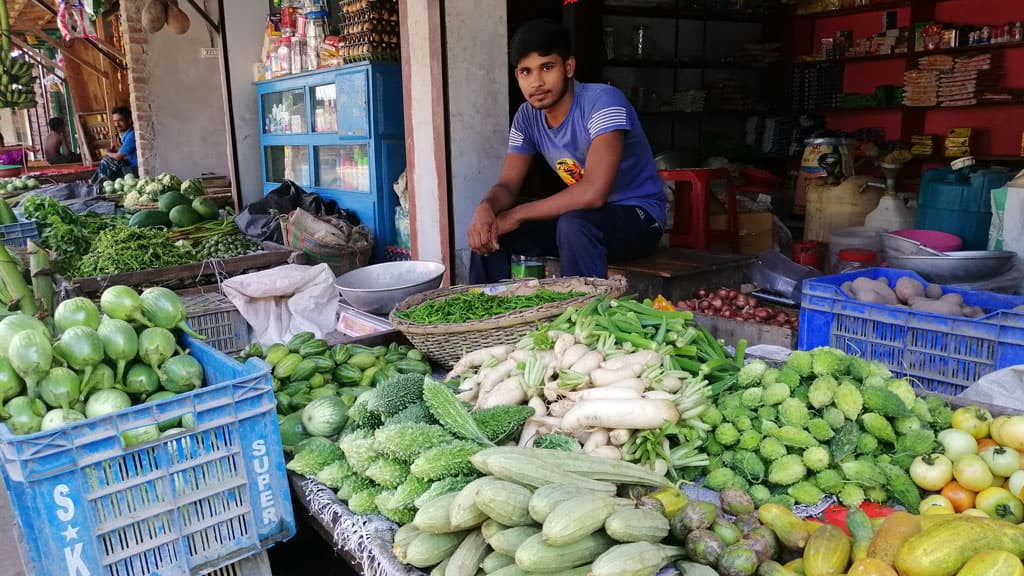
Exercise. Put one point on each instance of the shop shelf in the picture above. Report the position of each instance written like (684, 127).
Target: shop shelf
(188, 503)
(938, 353)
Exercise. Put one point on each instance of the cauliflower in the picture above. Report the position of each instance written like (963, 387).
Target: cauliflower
(771, 376)
(800, 362)
(767, 426)
(822, 391)
(775, 393)
(726, 434)
(787, 470)
(793, 412)
(132, 199)
(816, 458)
(771, 449)
(751, 372)
(767, 413)
(743, 423)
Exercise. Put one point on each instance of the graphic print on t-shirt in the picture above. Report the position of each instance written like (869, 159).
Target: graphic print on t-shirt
(570, 170)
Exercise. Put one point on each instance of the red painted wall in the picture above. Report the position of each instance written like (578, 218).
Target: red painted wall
(997, 129)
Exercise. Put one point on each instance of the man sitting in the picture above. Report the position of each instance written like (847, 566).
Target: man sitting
(122, 161)
(614, 204)
(56, 146)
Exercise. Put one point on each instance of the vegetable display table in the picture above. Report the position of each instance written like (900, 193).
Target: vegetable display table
(363, 541)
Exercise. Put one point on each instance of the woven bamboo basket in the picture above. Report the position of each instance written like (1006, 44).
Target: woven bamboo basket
(446, 343)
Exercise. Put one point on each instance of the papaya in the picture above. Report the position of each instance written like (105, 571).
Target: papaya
(870, 567)
(827, 552)
(897, 529)
(943, 549)
(992, 563)
(791, 530)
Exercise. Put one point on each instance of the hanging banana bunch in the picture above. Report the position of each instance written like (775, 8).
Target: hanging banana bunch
(17, 83)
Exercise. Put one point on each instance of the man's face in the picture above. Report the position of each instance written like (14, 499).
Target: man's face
(544, 80)
(122, 123)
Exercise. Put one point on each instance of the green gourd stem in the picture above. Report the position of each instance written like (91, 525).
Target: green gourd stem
(5, 30)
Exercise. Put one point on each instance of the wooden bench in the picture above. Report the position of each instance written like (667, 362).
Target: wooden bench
(675, 272)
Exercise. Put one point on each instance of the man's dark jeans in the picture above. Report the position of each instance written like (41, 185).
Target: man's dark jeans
(583, 240)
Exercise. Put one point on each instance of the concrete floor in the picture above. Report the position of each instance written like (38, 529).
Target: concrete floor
(8, 538)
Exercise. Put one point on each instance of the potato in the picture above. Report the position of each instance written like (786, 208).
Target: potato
(952, 298)
(936, 307)
(1017, 309)
(907, 288)
(972, 311)
(933, 291)
(867, 290)
(847, 288)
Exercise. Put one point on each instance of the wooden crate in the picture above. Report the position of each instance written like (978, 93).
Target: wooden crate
(187, 275)
(732, 331)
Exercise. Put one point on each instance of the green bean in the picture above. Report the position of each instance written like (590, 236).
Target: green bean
(468, 306)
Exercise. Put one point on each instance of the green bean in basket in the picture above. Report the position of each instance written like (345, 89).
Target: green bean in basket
(469, 306)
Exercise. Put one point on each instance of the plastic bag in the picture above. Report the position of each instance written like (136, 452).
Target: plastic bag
(259, 221)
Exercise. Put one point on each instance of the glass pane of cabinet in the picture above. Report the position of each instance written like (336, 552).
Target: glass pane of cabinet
(287, 163)
(285, 112)
(353, 104)
(325, 108)
(343, 167)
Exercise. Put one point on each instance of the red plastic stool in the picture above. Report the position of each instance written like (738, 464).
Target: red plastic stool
(691, 227)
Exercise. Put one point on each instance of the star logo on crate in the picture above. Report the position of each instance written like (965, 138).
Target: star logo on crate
(70, 534)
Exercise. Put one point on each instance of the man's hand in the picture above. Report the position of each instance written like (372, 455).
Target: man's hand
(483, 230)
(508, 221)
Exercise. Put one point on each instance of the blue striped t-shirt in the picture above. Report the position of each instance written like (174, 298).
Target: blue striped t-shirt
(596, 109)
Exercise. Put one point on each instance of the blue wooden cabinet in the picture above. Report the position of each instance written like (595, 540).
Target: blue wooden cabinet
(338, 132)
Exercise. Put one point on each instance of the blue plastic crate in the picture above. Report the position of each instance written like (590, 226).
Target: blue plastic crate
(18, 235)
(938, 352)
(186, 504)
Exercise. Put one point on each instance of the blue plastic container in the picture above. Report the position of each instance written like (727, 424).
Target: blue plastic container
(18, 235)
(939, 353)
(185, 504)
(959, 203)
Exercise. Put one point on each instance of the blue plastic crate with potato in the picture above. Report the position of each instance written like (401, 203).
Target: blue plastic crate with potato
(938, 352)
(189, 503)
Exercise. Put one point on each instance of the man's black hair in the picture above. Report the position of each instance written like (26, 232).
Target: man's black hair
(122, 111)
(56, 124)
(545, 37)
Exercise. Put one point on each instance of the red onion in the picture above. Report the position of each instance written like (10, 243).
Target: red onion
(740, 301)
(777, 322)
(762, 314)
(727, 313)
(782, 316)
(703, 305)
(752, 302)
(701, 293)
(722, 293)
(716, 303)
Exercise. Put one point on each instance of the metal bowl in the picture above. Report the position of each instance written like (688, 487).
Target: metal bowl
(956, 267)
(377, 289)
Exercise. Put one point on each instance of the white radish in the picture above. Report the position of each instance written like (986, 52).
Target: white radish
(660, 467)
(658, 395)
(644, 358)
(546, 357)
(494, 376)
(609, 393)
(558, 409)
(468, 395)
(478, 358)
(529, 433)
(606, 377)
(670, 383)
(588, 363)
(572, 355)
(631, 384)
(563, 343)
(618, 437)
(539, 407)
(508, 392)
(610, 452)
(597, 439)
(639, 414)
